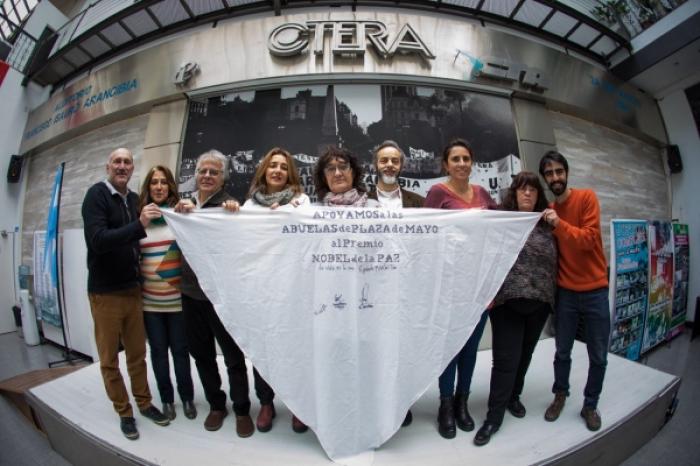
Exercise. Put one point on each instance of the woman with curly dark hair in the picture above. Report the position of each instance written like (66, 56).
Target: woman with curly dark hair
(521, 307)
(338, 180)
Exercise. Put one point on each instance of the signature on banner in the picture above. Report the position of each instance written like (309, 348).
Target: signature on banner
(340, 303)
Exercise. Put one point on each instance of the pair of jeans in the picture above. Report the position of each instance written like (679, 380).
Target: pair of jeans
(166, 330)
(118, 317)
(203, 327)
(516, 326)
(593, 309)
(463, 364)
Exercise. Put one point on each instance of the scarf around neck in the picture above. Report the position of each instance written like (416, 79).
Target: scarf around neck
(281, 198)
(349, 198)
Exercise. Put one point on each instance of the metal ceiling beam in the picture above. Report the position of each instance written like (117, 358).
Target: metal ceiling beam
(127, 29)
(516, 9)
(104, 39)
(547, 18)
(153, 17)
(572, 30)
(187, 8)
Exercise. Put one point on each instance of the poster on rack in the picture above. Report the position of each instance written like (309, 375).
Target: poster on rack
(681, 275)
(660, 283)
(630, 263)
(45, 297)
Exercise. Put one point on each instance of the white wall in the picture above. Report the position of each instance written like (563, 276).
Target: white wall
(683, 132)
(45, 14)
(16, 103)
(12, 121)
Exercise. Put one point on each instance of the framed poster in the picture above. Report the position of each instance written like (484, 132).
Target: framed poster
(681, 275)
(660, 283)
(304, 120)
(629, 286)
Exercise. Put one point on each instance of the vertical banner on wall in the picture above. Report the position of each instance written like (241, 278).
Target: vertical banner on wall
(660, 283)
(680, 280)
(629, 289)
(48, 306)
(306, 119)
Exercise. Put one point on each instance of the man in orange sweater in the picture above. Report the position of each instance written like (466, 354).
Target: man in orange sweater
(582, 287)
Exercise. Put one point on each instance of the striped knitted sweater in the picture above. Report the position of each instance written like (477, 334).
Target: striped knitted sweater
(161, 270)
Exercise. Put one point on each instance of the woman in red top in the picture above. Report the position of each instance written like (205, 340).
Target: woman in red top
(458, 193)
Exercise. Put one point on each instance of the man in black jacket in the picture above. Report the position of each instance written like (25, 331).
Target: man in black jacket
(113, 228)
(203, 325)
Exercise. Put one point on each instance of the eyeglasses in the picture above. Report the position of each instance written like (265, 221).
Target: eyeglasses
(208, 171)
(558, 172)
(331, 169)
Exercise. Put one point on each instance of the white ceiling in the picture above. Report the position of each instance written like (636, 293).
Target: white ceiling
(675, 72)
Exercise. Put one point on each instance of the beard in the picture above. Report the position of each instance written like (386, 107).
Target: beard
(558, 188)
(386, 179)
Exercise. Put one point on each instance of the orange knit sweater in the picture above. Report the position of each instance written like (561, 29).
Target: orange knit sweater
(582, 265)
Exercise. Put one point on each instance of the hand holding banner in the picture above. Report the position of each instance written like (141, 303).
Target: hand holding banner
(351, 314)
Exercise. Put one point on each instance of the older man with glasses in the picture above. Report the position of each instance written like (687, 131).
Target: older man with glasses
(204, 327)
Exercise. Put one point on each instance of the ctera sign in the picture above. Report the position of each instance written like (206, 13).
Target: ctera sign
(348, 39)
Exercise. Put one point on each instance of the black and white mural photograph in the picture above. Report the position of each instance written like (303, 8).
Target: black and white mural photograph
(305, 120)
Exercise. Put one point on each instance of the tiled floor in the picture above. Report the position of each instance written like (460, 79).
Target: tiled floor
(20, 444)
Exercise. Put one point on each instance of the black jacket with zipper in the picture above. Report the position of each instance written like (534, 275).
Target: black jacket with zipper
(112, 233)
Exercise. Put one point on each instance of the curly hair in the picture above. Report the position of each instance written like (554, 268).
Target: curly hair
(329, 154)
(145, 195)
(259, 180)
(522, 179)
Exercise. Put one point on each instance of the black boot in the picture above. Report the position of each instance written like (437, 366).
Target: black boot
(464, 420)
(484, 434)
(446, 417)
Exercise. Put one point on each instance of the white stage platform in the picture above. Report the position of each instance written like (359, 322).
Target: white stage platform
(82, 426)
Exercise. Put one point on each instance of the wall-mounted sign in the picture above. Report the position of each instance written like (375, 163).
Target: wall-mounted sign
(503, 69)
(72, 108)
(348, 39)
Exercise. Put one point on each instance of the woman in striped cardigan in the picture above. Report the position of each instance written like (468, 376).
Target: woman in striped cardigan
(162, 306)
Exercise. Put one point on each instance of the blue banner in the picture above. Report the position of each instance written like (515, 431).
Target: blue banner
(48, 300)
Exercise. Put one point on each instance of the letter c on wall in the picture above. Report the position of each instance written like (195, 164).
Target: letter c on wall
(288, 39)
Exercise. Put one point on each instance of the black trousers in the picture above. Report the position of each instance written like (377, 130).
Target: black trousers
(203, 327)
(516, 327)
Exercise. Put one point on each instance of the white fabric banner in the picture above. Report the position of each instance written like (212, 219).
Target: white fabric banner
(350, 314)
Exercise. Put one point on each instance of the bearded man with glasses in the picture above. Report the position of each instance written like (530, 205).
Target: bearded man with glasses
(582, 287)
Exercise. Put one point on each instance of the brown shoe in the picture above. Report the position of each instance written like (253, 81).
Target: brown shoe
(265, 416)
(554, 410)
(244, 426)
(592, 418)
(298, 426)
(215, 419)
